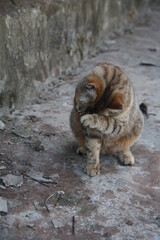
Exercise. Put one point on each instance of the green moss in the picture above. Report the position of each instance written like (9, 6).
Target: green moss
(1, 100)
(68, 50)
(12, 99)
(80, 45)
(139, 3)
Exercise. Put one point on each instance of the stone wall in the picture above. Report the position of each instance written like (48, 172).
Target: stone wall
(40, 39)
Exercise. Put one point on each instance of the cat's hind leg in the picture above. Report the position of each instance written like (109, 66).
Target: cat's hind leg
(126, 158)
(93, 146)
(124, 155)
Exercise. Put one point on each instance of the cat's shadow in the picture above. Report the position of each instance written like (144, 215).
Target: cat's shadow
(108, 163)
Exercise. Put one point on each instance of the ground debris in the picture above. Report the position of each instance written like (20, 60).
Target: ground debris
(153, 49)
(31, 225)
(2, 125)
(67, 199)
(157, 220)
(109, 42)
(12, 180)
(57, 223)
(33, 118)
(6, 118)
(61, 199)
(2, 167)
(3, 206)
(56, 197)
(149, 64)
(48, 130)
(21, 132)
(129, 222)
(54, 177)
(39, 206)
(41, 178)
(36, 145)
(13, 203)
(73, 225)
(2, 187)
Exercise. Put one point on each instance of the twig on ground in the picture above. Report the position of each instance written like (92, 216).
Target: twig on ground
(57, 196)
(73, 225)
(47, 201)
(36, 180)
(13, 2)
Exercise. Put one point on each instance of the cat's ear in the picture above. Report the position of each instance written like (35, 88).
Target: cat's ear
(91, 90)
(91, 86)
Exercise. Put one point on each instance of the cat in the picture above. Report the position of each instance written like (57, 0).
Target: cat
(106, 116)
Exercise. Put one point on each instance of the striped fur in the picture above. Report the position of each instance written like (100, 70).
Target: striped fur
(105, 116)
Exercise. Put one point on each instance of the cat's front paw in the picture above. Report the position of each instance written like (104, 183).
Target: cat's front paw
(92, 169)
(88, 121)
(126, 158)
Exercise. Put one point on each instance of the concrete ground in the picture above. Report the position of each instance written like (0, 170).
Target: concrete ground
(53, 198)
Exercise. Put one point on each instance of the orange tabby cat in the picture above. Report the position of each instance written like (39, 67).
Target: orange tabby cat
(106, 116)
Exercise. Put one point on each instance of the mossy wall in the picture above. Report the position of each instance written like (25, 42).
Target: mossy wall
(40, 39)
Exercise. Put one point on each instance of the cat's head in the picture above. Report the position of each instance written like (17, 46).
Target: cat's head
(87, 92)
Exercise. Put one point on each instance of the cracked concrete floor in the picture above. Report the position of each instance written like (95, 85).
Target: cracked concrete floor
(122, 202)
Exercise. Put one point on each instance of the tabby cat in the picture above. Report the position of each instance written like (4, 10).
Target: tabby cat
(106, 116)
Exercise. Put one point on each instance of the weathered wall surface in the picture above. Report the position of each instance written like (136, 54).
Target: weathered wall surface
(43, 38)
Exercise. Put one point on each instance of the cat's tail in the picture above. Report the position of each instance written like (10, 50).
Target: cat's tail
(144, 109)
